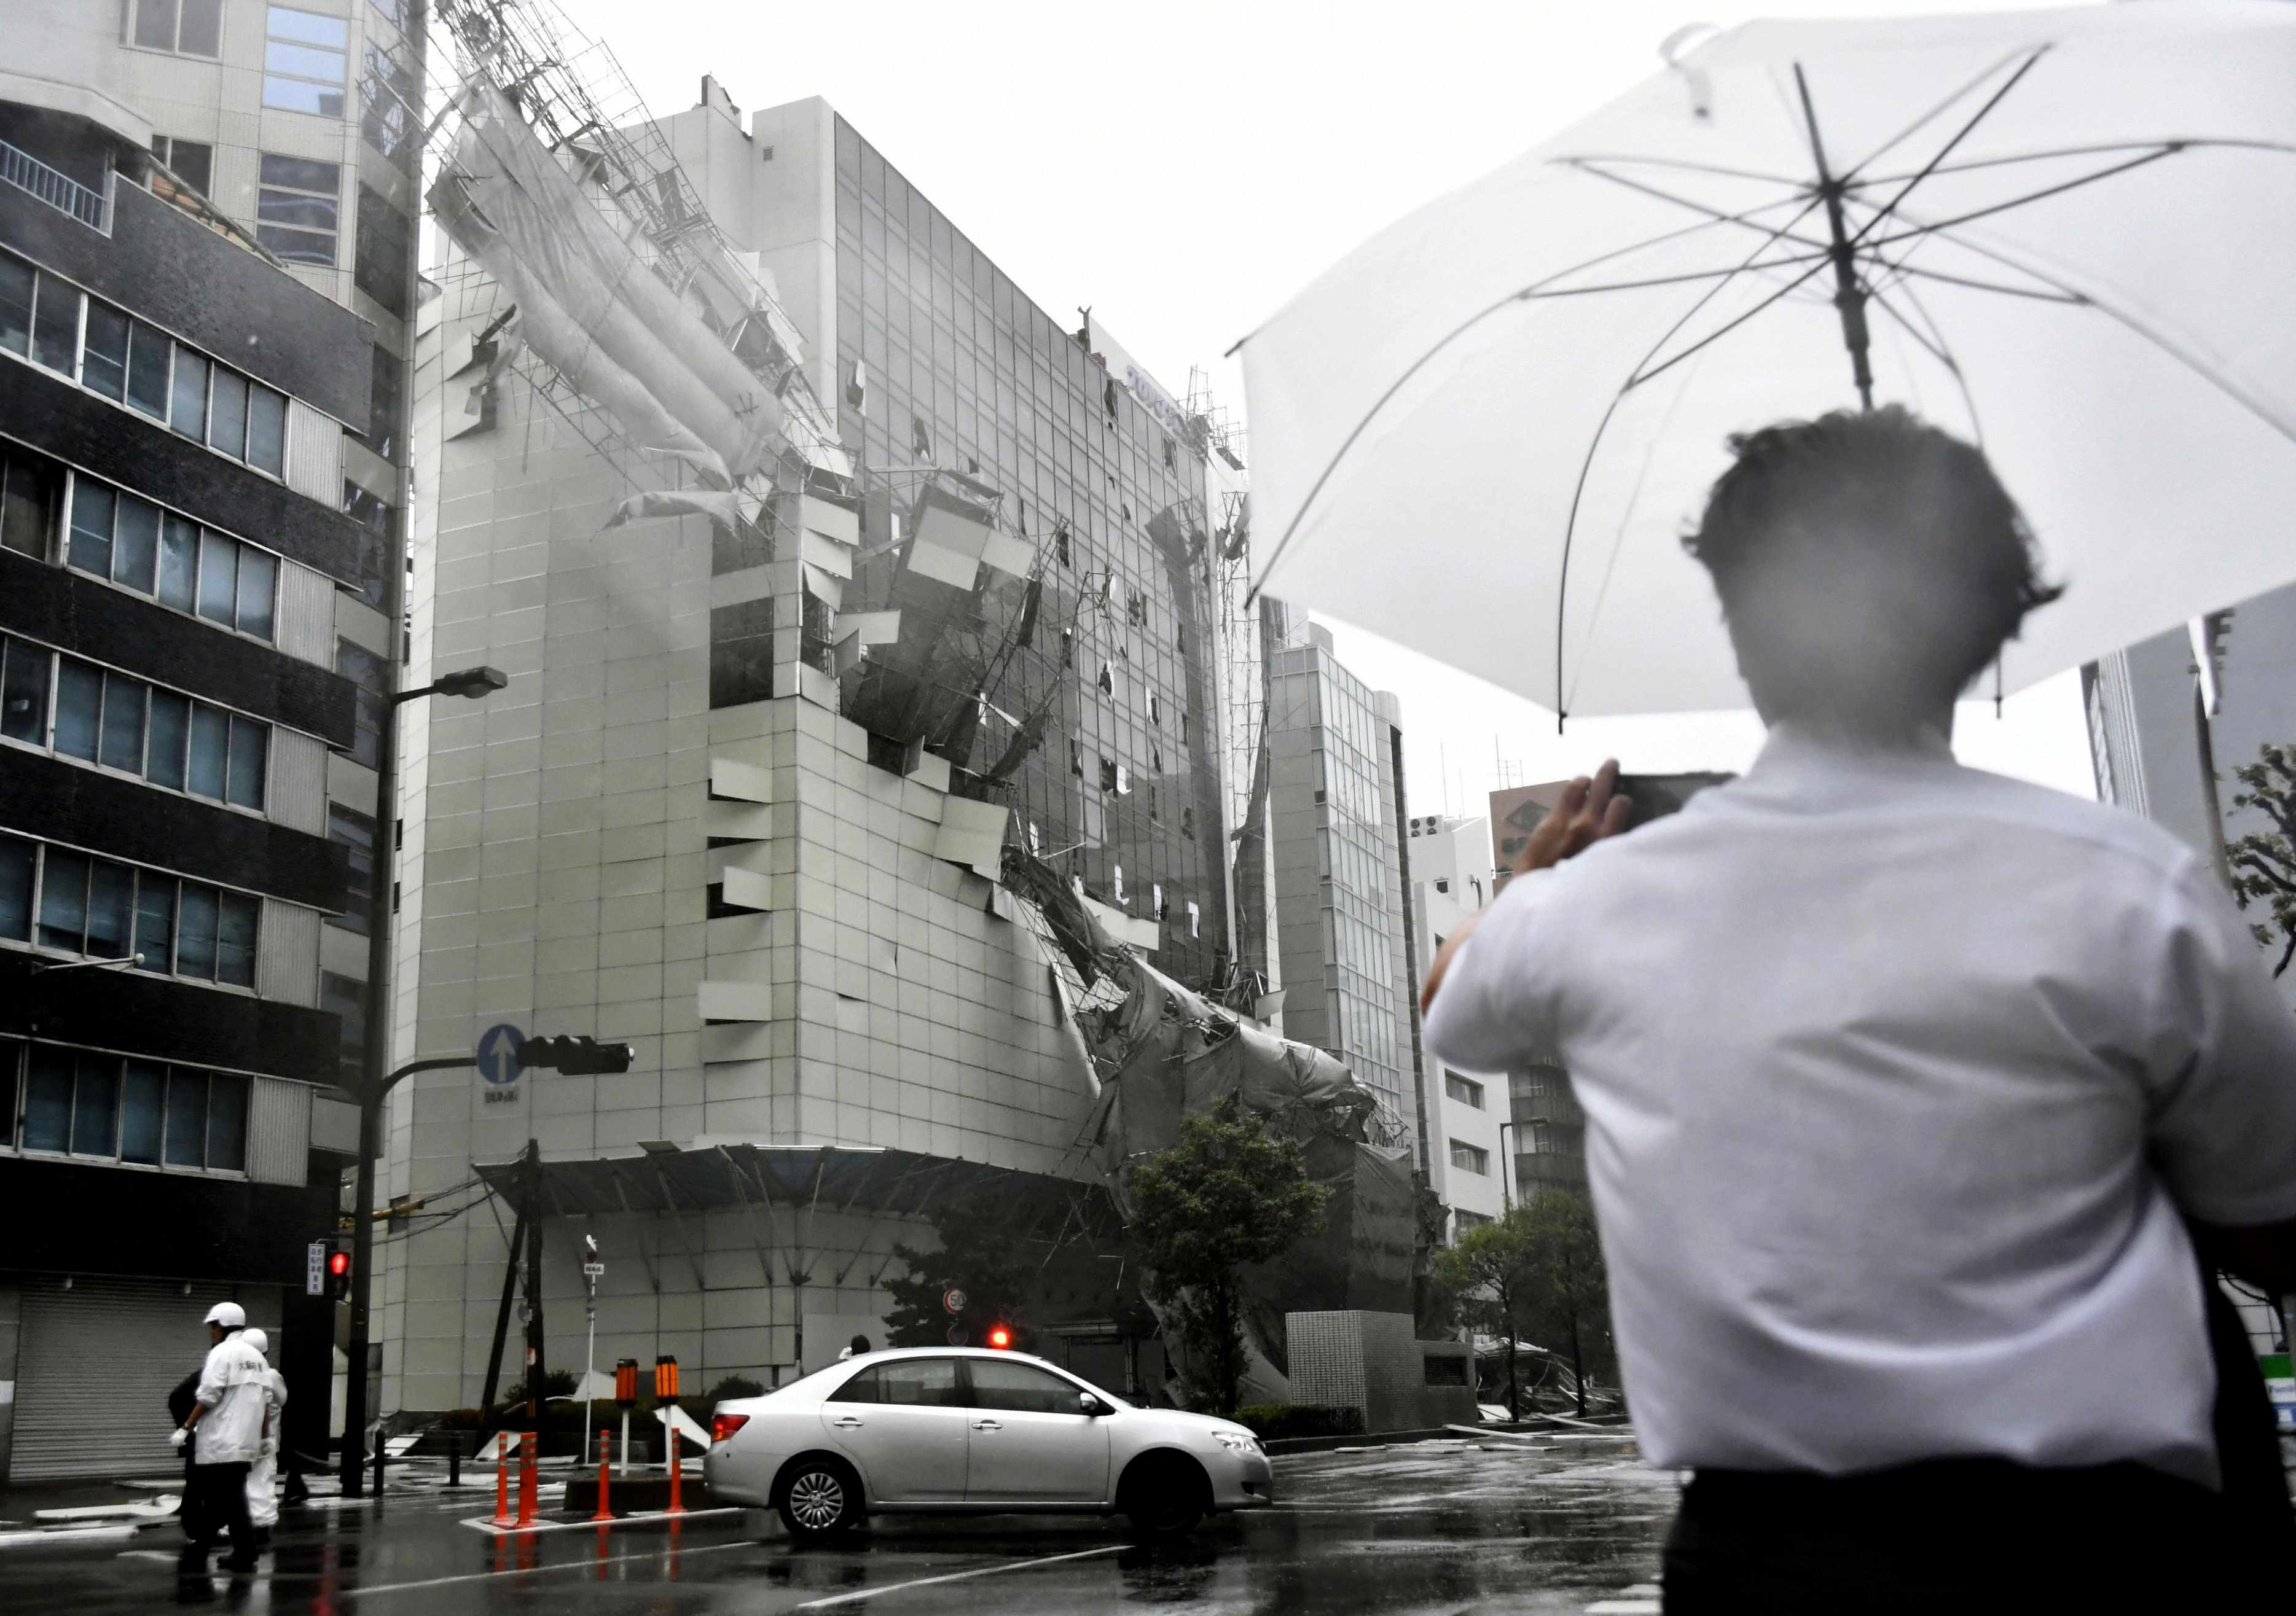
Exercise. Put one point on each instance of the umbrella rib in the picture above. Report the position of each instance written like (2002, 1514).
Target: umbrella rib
(1524, 294)
(1946, 151)
(1634, 380)
(1933, 342)
(2167, 149)
(1686, 278)
(1930, 116)
(1713, 337)
(2102, 149)
(2121, 317)
(1686, 168)
(1713, 215)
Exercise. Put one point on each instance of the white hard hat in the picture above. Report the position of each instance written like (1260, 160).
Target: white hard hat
(230, 1315)
(257, 1339)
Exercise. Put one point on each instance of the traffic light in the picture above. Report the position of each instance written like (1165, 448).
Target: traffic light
(1000, 1337)
(339, 1275)
(575, 1057)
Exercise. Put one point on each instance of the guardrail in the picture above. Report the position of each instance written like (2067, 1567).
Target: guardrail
(58, 190)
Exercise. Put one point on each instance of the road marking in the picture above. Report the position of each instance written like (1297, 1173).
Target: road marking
(985, 1570)
(654, 1517)
(589, 1563)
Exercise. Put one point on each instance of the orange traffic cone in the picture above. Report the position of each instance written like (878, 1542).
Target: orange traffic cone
(529, 1452)
(605, 1514)
(677, 1470)
(503, 1516)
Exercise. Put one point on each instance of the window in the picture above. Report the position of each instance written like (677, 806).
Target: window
(306, 61)
(83, 1104)
(929, 1383)
(379, 267)
(387, 93)
(741, 653)
(1471, 1158)
(28, 493)
(55, 324)
(365, 670)
(1020, 1388)
(346, 996)
(121, 722)
(373, 514)
(299, 209)
(104, 910)
(17, 859)
(192, 162)
(1465, 1090)
(386, 390)
(401, 12)
(188, 28)
(136, 545)
(356, 831)
(18, 281)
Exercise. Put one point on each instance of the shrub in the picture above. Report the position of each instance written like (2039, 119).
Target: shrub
(1272, 1422)
(736, 1385)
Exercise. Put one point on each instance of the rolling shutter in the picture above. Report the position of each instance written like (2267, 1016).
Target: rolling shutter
(96, 1367)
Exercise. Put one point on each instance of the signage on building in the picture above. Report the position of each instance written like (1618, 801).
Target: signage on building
(1129, 371)
(314, 1268)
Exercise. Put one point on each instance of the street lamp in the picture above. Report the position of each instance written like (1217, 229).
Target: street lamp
(375, 1082)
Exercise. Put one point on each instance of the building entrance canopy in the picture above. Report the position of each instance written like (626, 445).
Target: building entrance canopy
(831, 1178)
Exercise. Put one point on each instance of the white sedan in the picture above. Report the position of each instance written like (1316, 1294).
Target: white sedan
(938, 1430)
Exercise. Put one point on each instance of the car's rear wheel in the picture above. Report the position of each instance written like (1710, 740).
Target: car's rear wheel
(818, 1497)
(1165, 1497)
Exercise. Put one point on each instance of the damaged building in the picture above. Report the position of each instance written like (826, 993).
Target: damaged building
(837, 582)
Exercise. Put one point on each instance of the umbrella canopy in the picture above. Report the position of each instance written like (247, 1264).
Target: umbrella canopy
(2068, 235)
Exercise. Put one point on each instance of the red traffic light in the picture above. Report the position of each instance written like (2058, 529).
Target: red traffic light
(339, 1263)
(999, 1337)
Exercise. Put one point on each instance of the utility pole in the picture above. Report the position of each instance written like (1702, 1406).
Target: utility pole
(531, 1203)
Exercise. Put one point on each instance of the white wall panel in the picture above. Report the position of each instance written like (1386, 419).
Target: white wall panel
(278, 1131)
(299, 781)
(287, 953)
(307, 615)
(314, 454)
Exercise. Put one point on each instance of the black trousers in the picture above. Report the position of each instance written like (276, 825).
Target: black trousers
(1963, 1537)
(215, 1501)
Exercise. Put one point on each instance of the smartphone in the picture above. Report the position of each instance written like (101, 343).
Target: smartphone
(1656, 795)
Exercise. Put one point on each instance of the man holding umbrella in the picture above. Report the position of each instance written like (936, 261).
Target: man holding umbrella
(1911, 1092)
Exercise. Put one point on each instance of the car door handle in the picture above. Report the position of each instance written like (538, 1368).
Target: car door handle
(847, 1423)
(988, 1424)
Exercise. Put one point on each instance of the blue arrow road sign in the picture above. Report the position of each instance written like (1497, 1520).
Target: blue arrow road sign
(498, 1053)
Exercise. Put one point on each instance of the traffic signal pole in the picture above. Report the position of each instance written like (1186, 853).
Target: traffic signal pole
(355, 1409)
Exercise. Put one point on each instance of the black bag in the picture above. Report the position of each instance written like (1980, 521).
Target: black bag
(180, 1400)
(2257, 1517)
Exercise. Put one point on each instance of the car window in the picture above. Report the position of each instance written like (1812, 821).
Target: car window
(1020, 1388)
(915, 1382)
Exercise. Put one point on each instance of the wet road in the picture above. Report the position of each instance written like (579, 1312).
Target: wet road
(1403, 1530)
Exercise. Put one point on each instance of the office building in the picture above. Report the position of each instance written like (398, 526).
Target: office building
(1469, 1118)
(178, 585)
(1339, 868)
(744, 802)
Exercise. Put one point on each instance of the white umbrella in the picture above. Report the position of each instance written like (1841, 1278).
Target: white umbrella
(2069, 234)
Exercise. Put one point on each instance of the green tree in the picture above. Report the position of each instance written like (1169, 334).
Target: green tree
(1224, 1195)
(2264, 862)
(977, 1253)
(1487, 1270)
(1568, 1293)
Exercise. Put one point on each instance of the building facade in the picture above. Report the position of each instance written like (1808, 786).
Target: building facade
(744, 801)
(1470, 1114)
(179, 584)
(1339, 868)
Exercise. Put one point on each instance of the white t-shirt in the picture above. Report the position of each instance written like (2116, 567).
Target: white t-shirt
(1895, 1074)
(235, 1388)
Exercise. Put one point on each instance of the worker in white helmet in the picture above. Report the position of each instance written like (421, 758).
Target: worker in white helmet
(262, 1502)
(224, 1432)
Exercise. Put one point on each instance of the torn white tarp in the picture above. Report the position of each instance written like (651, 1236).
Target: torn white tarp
(718, 504)
(540, 216)
(558, 339)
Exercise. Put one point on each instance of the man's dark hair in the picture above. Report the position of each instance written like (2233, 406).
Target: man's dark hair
(1869, 565)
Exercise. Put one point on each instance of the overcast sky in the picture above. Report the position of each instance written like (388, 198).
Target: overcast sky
(1185, 167)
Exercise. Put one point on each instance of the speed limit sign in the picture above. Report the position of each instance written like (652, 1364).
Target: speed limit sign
(954, 1299)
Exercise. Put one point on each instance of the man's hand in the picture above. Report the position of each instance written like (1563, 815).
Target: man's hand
(1587, 810)
(179, 1437)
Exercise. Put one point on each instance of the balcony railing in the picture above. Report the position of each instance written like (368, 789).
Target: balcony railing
(59, 190)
